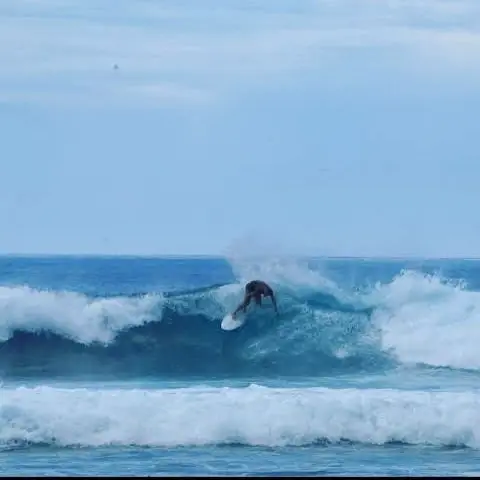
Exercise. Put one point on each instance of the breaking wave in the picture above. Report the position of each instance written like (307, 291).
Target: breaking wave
(252, 416)
(322, 329)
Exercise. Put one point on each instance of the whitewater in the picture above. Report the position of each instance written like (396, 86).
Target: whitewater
(114, 365)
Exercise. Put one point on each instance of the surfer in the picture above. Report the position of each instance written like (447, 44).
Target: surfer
(256, 289)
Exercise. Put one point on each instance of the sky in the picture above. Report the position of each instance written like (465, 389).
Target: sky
(151, 127)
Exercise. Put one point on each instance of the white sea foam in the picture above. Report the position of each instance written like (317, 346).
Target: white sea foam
(423, 319)
(71, 314)
(252, 416)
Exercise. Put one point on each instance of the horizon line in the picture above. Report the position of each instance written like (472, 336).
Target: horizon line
(225, 257)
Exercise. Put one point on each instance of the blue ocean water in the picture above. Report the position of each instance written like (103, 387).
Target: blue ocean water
(118, 366)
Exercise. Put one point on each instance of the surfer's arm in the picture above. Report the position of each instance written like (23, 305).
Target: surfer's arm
(274, 302)
(243, 306)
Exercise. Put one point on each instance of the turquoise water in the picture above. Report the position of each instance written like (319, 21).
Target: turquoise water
(117, 366)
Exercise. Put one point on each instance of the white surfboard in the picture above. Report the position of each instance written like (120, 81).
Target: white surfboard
(230, 323)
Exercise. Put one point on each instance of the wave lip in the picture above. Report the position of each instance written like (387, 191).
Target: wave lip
(255, 416)
(72, 315)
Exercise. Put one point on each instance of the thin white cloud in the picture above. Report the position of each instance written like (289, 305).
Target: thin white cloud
(209, 47)
(164, 93)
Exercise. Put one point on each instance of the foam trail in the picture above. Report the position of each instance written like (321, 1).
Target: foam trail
(249, 416)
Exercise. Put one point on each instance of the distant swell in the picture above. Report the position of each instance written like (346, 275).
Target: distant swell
(415, 319)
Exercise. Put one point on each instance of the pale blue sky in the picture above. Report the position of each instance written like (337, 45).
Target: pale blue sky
(341, 127)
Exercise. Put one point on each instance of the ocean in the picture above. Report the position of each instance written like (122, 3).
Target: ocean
(118, 366)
